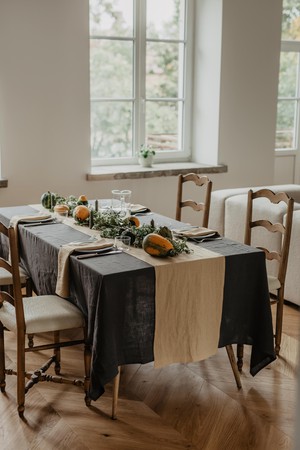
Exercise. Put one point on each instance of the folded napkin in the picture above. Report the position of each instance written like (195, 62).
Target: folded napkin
(29, 217)
(62, 284)
(196, 232)
(138, 208)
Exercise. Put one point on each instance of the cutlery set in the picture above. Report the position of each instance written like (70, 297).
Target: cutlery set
(95, 254)
(38, 224)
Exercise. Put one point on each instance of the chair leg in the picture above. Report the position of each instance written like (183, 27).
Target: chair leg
(116, 383)
(233, 364)
(30, 340)
(2, 359)
(28, 288)
(87, 368)
(240, 356)
(21, 374)
(279, 320)
(57, 353)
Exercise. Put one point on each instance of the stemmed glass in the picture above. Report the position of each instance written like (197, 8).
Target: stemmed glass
(121, 201)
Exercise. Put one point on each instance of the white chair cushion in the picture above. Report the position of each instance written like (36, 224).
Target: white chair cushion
(6, 277)
(273, 283)
(23, 275)
(42, 314)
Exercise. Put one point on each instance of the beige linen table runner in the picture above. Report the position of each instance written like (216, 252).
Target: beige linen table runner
(188, 305)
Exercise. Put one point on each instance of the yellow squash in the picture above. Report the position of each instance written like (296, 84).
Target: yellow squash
(156, 245)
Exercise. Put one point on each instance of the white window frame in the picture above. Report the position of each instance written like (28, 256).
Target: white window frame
(138, 132)
(293, 47)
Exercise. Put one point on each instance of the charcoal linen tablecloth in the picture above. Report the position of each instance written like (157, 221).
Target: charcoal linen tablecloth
(116, 293)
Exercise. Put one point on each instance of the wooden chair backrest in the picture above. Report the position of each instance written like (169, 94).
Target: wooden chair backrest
(12, 267)
(282, 254)
(201, 181)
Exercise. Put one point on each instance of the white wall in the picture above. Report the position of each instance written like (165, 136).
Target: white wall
(44, 76)
(249, 81)
(44, 99)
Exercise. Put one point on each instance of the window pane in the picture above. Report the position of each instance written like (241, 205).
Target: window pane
(111, 17)
(111, 68)
(162, 77)
(288, 74)
(285, 130)
(162, 120)
(111, 129)
(291, 20)
(165, 19)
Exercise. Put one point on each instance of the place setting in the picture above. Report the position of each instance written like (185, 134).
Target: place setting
(197, 234)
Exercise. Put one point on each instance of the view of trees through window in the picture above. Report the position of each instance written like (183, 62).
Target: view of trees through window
(137, 76)
(288, 109)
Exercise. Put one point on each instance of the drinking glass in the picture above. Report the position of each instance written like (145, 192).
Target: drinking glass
(122, 243)
(115, 199)
(121, 201)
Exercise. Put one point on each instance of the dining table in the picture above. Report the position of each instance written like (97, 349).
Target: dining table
(117, 294)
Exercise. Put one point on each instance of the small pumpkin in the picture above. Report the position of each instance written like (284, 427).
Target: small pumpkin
(82, 200)
(61, 208)
(48, 200)
(156, 245)
(134, 221)
(81, 213)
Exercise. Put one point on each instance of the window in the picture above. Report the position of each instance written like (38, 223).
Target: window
(288, 108)
(140, 78)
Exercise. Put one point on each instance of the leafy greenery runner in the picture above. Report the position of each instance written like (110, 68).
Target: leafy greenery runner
(111, 224)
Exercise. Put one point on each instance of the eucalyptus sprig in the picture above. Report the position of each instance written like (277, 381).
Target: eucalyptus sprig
(110, 223)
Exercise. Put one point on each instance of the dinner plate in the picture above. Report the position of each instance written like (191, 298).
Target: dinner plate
(36, 219)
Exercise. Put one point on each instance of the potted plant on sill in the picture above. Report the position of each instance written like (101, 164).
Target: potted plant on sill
(146, 155)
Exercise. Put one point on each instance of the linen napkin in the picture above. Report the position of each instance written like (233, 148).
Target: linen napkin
(136, 208)
(62, 284)
(29, 217)
(196, 232)
(15, 220)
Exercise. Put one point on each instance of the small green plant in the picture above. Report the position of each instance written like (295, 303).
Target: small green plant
(146, 150)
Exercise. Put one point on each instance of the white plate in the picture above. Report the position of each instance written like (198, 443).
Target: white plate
(35, 219)
(95, 250)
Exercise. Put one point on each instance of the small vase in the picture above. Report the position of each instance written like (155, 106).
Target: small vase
(146, 162)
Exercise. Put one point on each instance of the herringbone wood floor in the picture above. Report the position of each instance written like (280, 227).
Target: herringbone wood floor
(194, 406)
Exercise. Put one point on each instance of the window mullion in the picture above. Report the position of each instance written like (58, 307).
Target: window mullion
(139, 73)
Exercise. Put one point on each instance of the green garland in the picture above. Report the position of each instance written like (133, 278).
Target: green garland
(111, 224)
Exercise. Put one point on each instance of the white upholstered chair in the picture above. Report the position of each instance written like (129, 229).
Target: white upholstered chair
(35, 315)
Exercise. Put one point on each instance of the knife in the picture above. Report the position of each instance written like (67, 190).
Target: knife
(37, 224)
(93, 255)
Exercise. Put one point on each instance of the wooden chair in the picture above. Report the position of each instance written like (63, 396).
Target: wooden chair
(279, 256)
(35, 315)
(201, 206)
(6, 277)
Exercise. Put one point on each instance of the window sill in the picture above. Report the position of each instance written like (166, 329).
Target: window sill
(3, 183)
(158, 170)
